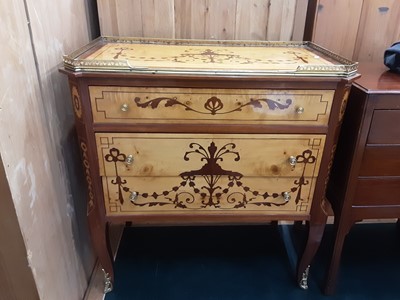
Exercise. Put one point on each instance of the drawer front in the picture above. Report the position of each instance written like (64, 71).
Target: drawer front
(385, 127)
(381, 161)
(170, 155)
(205, 194)
(209, 106)
(377, 192)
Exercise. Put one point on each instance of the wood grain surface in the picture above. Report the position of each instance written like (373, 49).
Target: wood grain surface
(213, 106)
(164, 154)
(204, 19)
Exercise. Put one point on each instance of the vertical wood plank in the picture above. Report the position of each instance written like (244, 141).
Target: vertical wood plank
(37, 146)
(220, 19)
(129, 18)
(336, 25)
(158, 18)
(108, 18)
(311, 17)
(299, 20)
(281, 20)
(190, 19)
(251, 20)
(204, 19)
(379, 28)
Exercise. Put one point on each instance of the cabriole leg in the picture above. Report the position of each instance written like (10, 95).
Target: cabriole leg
(315, 233)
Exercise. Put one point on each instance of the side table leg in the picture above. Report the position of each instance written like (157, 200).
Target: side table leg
(340, 235)
(315, 233)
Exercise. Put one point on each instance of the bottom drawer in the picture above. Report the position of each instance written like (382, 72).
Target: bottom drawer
(377, 192)
(208, 194)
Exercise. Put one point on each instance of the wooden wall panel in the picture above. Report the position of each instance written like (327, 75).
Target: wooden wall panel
(128, 15)
(281, 20)
(359, 29)
(379, 28)
(38, 147)
(336, 25)
(251, 19)
(220, 19)
(204, 19)
(158, 18)
(16, 277)
(108, 17)
(190, 21)
(300, 20)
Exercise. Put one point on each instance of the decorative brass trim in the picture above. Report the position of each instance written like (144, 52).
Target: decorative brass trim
(72, 62)
(108, 286)
(304, 278)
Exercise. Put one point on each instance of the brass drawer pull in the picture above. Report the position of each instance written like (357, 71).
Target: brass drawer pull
(286, 196)
(292, 161)
(133, 196)
(299, 110)
(129, 159)
(124, 107)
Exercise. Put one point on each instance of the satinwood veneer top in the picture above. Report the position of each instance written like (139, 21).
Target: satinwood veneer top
(163, 56)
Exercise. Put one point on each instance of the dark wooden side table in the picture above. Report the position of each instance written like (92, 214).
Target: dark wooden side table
(365, 178)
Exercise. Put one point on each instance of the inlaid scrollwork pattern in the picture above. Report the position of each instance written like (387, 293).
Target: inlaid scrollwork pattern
(193, 193)
(85, 159)
(115, 156)
(344, 103)
(214, 105)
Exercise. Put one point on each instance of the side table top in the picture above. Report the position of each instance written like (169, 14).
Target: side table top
(377, 78)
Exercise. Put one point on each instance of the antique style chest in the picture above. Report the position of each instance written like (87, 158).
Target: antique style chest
(365, 181)
(176, 132)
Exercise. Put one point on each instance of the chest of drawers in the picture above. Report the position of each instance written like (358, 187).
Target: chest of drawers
(365, 181)
(206, 132)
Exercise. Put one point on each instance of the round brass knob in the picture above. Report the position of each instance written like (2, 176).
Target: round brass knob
(292, 161)
(286, 196)
(124, 107)
(299, 110)
(129, 160)
(133, 196)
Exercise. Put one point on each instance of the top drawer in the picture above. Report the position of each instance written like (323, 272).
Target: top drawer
(112, 104)
(385, 127)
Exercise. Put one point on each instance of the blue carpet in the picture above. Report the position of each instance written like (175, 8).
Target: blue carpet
(250, 262)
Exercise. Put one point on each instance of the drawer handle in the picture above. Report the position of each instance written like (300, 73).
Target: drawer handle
(299, 110)
(286, 196)
(124, 107)
(133, 196)
(129, 160)
(292, 161)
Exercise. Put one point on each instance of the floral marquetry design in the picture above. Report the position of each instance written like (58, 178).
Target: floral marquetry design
(115, 156)
(214, 105)
(90, 204)
(76, 102)
(210, 186)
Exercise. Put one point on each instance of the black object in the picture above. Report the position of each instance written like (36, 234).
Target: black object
(391, 57)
